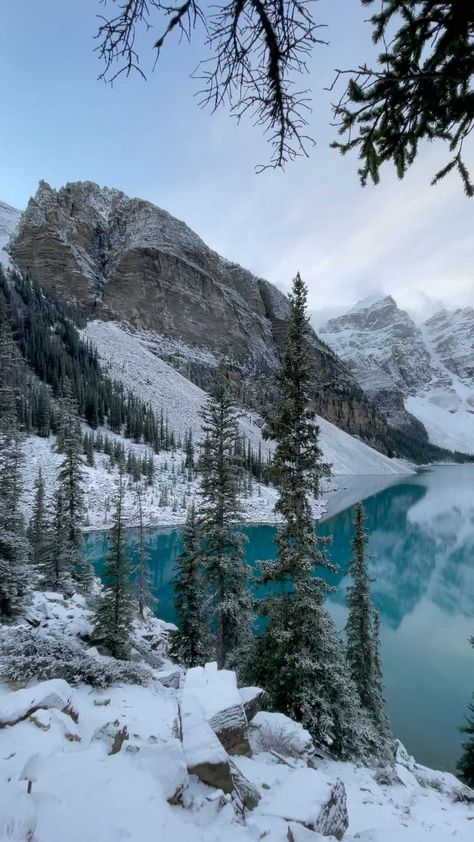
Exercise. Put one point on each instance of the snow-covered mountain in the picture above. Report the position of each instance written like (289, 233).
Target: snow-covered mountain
(127, 260)
(9, 219)
(426, 371)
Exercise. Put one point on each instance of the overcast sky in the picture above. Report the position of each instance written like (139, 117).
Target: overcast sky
(150, 139)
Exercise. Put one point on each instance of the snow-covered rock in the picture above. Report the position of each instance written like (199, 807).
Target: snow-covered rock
(312, 799)
(205, 756)
(252, 699)
(216, 693)
(21, 704)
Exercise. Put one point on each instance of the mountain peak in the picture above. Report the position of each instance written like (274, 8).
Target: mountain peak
(371, 302)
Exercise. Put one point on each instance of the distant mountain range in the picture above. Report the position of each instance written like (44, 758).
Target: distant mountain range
(124, 260)
(426, 370)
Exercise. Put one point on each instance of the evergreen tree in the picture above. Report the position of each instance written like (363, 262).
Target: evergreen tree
(144, 594)
(115, 612)
(70, 504)
(189, 451)
(15, 575)
(299, 657)
(226, 575)
(191, 641)
(362, 630)
(359, 620)
(39, 532)
(466, 763)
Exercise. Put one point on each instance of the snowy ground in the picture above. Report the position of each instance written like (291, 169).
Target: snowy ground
(81, 791)
(100, 485)
(127, 357)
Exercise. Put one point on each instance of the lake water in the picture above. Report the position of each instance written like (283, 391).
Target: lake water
(422, 554)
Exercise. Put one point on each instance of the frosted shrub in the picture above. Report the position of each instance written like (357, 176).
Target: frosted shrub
(25, 655)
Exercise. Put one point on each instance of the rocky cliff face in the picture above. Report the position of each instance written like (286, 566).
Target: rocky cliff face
(451, 337)
(427, 369)
(9, 218)
(128, 260)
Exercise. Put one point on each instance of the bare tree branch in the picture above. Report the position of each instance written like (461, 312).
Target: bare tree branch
(257, 49)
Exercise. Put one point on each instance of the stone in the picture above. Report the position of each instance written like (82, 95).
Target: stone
(46, 695)
(252, 699)
(309, 798)
(333, 819)
(244, 789)
(204, 754)
(217, 694)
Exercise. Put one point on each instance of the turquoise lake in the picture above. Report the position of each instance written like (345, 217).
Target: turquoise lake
(421, 543)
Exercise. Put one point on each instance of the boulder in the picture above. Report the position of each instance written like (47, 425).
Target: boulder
(245, 790)
(252, 700)
(113, 734)
(21, 704)
(311, 799)
(275, 732)
(333, 819)
(170, 678)
(204, 754)
(217, 694)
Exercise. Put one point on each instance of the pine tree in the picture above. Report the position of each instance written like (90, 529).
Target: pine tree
(70, 496)
(363, 631)
(16, 577)
(189, 451)
(115, 612)
(191, 641)
(381, 719)
(144, 594)
(359, 634)
(39, 531)
(466, 763)
(299, 657)
(225, 572)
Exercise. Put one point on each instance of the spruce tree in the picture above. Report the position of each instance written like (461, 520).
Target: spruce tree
(16, 577)
(225, 573)
(114, 615)
(191, 641)
(359, 633)
(363, 630)
(70, 495)
(466, 763)
(39, 531)
(144, 594)
(299, 657)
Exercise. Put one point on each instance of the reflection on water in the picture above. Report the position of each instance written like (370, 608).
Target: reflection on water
(422, 555)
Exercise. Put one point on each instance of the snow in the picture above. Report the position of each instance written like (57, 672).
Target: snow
(127, 358)
(82, 792)
(299, 798)
(50, 694)
(448, 421)
(9, 219)
(214, 689)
